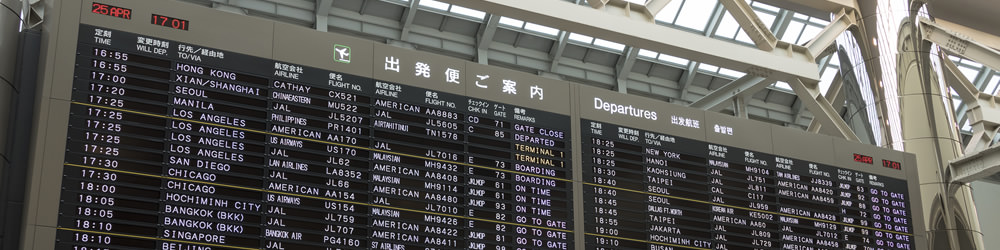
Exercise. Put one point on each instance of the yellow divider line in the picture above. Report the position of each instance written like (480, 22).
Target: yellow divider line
(643, 241)
(313, 197)
(319, 141)
(153, 238)
(744, 208)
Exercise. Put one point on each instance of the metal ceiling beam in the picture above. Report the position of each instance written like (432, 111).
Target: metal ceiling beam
(816, 8)
(821, 109)
(959, 44)
(781, 22)
(845, 19)
(557, 49)
(323, 14)
(485, 36)
(835, 95)
(624, 66)
(686, 79)
(718, 98)
(785, 63)
(654, 7)
(411, 12)
(758, 32)
(980, 84)
(976, 166)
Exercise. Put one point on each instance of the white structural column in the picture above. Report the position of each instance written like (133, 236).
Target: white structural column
(758, 32)
(948, 208)
(411, 12)
(485, 38)
(821, 109)
(624, 66)
(786, 63)
(323, 14)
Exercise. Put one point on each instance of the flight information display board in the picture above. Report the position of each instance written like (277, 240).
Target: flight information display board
(297, 139)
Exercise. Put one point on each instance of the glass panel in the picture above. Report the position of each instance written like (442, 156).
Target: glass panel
(765, 6)
(609, 44)
(669, 12)
(969, 73)
(541, 29)
(782, 85)
(792, 32)
(991, 86)
(673, 59)
(511, 22)
(468, 12)
(728, 26)
(827, 79)
(435, 4)
(696, 13)
(708, 67)
(808, 33)
(641, 2)
(648, 53)
(581, 38)
(729, 72)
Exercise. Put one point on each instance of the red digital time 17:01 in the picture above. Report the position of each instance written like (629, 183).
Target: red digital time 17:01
(170, 22)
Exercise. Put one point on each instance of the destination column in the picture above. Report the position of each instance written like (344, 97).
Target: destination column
(212, 189)
(675, 178)
(317, 158)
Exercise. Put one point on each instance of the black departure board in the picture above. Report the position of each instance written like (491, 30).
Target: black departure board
(649, 190)
(163, 153)
(217, 131)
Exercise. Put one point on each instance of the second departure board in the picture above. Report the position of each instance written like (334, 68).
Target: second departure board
(181, 133)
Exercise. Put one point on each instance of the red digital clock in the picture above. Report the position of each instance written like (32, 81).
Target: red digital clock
(110, 10)
(169, 22)
(892, 164)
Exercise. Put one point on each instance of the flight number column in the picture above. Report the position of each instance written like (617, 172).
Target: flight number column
(111, 152)
(317, 158)
(212, 188)
(741, 185)
(809, 204)
(615, 207)
(416, 179)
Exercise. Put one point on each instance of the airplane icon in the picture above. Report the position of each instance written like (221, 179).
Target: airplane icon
(343, 53)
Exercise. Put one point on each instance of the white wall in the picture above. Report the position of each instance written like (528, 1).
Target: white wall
(987, 197)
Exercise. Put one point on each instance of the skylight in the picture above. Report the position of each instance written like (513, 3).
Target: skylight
(609, 44)
(541, 28)
(435, 4)
(468, 12)
(511, 22)
(581, 38)
(695, 14)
